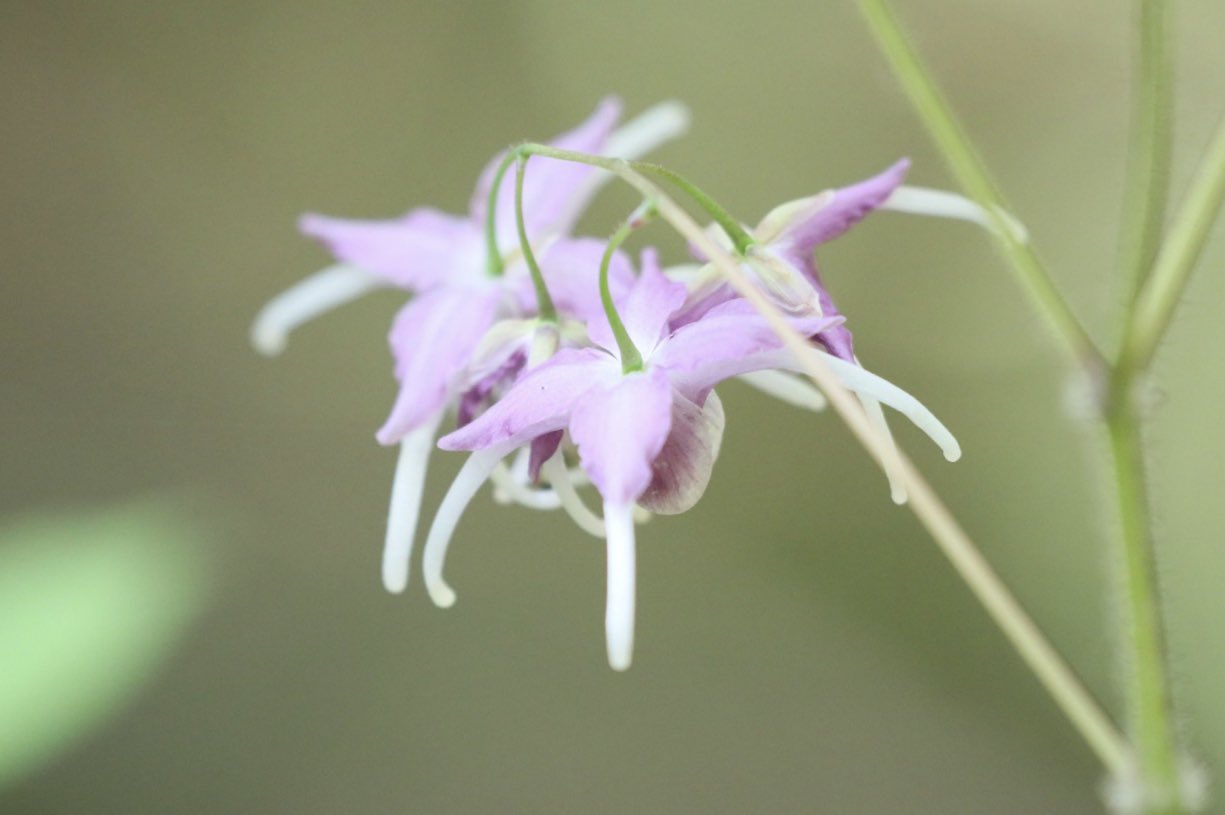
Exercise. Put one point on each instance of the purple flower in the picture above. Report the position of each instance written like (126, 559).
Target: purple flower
(442, 258)
(648, 437)
(635, 403)
(782, 261)
(783, 264)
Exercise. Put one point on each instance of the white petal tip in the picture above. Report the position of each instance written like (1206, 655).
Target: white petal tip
(672, 117)
(899, 496)
(619, 613)
(952, 454)
(395, 583)
(943, 204)
(306, 300)
(442, 595)
(620, 662)
(654, 126)
(268, 342)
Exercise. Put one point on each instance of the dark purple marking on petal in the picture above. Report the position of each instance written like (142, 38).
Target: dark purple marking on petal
(542, 449)
(681, 471)
(474, 400)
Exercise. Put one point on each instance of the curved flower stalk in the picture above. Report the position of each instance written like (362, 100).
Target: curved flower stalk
(647, 436)
(444, 260)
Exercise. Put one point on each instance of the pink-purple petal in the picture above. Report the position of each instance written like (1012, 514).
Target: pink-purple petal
(725, 342)
(814, 226)
(619, 429)
(418, 251)
(697, 306)
(538, 403)
(682, 469)
(549, 185)
(432, 340)
(837, 338)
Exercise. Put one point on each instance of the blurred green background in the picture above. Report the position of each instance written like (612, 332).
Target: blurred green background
(802, 646)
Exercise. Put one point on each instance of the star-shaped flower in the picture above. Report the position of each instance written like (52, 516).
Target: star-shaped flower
(444, 260)
(646, 437)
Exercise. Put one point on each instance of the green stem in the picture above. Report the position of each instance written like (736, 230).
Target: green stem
(1148, 167)
(1149, 319)
(1150, 712)
(544, 303)
(631, 359)
(1155, 304)
(741, 239)
(603, 162)
(971, 173)
(493, 255)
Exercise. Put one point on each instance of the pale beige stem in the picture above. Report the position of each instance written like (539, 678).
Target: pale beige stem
(1102, 735)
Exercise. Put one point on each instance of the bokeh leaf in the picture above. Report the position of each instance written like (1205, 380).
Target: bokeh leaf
(91, 603)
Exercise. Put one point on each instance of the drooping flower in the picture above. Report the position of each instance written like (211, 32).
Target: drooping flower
(647, 437)
(541, 363)
(782, 260)
(444, 260)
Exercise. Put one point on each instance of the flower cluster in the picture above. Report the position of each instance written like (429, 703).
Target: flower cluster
(549, 348)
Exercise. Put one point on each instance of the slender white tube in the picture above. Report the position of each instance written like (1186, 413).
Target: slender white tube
(306, 300)
(509, 490)
(897, 491)
(869, 384)
(404, 509)
(944, 204)
(786, 388)
(471, 476)
(619, 611)
(559, 476)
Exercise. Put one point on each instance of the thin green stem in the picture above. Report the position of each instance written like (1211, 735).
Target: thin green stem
(1157, 300)
(1148, 166)
(493, 254)
(971, 173)
(740, 237)
(1145, 262)
(631, 359)
(544, 303)
(612, 165)
(1150, 714)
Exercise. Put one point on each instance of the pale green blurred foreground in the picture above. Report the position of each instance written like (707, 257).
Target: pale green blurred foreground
(90, 605)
